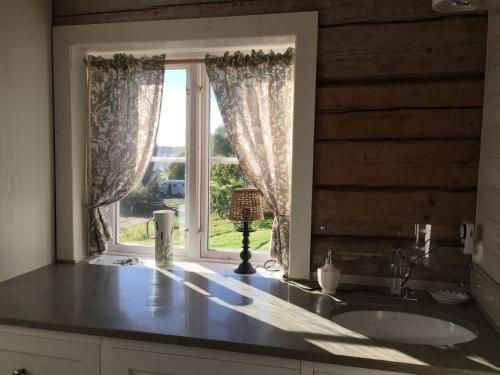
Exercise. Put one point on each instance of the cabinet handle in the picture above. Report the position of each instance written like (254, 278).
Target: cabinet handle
(19, 371)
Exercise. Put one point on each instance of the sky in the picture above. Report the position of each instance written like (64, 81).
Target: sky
(172, 128)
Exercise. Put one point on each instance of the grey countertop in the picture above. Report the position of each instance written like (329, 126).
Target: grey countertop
(195, 305)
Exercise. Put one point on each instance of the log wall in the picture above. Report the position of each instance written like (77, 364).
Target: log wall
(399, 107)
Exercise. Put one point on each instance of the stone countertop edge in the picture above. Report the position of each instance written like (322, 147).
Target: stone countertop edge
(60, 282)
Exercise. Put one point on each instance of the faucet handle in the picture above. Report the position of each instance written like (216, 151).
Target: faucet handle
(393, 259)
(393, 255)
(396, 256)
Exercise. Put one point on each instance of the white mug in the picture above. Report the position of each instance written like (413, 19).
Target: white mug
(164, 237)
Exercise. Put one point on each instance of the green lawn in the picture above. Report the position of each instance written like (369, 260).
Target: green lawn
(137, 234)
(223, 236)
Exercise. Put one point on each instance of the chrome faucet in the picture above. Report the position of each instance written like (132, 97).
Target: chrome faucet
(398, 269)
(396, 272)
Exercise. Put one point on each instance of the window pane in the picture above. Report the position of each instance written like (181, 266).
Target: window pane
(163, 185)
(226, 174)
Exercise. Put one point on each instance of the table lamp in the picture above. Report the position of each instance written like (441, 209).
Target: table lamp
(246, 206)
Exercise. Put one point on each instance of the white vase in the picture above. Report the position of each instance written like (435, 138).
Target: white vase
(164, 237)
(328, 278)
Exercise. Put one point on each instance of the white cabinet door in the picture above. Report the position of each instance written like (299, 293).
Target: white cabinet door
(47, 353)
(123, 357)
(36, 364)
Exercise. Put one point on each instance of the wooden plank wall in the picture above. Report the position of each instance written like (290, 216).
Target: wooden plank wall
(399, 102)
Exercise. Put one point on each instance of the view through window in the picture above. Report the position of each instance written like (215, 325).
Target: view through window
(226, 174)
(164, 185)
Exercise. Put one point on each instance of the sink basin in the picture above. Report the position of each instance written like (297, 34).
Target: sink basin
(404, 327)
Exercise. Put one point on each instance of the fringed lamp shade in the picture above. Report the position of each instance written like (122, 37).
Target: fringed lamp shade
(246, 205)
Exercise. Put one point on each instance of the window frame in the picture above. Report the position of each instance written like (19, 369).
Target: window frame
(116, 247)
(211, 35)
(204, 210)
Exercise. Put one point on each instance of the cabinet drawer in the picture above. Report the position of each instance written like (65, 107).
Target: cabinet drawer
(328, 369)
(123, 357)
(37, 364)
(48, 353)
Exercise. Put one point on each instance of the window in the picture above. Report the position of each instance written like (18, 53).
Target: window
(161, 186)
(192, 171)
(225, 173)
(73, 43)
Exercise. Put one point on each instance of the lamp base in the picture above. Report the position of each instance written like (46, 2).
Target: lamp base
(245, 268)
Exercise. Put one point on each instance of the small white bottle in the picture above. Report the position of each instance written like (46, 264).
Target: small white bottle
(329, 275)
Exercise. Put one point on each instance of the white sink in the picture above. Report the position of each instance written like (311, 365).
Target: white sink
(404, 327)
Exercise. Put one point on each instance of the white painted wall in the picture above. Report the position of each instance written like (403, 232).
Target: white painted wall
(485, 277)
(26, 137)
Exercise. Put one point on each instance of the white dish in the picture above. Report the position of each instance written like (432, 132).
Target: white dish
(449, 297)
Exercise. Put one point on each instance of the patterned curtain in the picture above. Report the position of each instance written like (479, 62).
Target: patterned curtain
(255, 94)
(124, 107)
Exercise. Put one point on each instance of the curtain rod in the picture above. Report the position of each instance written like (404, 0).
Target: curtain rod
(184, 61)
(176, 61)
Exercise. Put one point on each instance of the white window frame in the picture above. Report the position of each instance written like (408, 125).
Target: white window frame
(204, 207)
(212, 35)
(191, 192)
